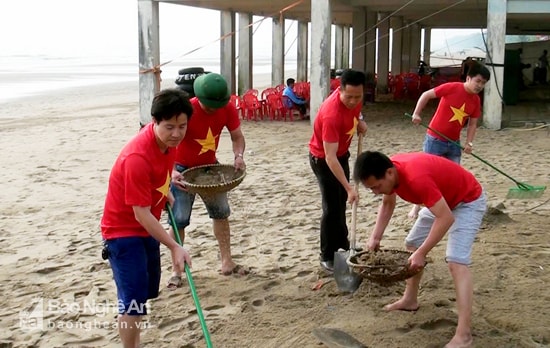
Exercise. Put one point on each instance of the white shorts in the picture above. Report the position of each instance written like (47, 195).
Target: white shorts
(462, 233)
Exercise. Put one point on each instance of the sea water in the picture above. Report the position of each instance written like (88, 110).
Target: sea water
(28, 75)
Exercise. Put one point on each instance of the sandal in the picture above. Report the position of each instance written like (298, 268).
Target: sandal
(174, 282)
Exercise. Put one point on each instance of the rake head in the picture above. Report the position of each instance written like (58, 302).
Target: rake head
(525, 191)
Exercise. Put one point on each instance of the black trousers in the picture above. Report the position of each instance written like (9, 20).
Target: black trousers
(334, 229)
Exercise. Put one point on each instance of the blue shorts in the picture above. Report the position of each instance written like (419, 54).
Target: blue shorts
(442, 148)
(461, 234)
(217, 206)
(135, 262)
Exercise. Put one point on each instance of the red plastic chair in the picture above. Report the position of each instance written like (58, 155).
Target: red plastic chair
(275, 106)
(399, 87)
(251, 107)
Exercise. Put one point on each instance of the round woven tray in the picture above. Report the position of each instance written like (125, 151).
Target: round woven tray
(211, 179)
(383, 266)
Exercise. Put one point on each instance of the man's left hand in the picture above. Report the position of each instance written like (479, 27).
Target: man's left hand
(417, 260)
(362, 127)
(239, 163)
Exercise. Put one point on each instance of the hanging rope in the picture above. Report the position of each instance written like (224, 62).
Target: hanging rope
(156, 69)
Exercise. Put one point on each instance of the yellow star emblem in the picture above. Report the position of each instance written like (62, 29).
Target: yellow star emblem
(164, 188)
(459, 114)
(208, 143)
(351, 132)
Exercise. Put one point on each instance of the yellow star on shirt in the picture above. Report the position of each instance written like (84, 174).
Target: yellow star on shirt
(164, 188)
(459, 114)
(208, 143)
(351, 132)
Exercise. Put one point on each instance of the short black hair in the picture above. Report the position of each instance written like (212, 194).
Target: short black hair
(479, 69)
(169, 103)
(371, 163)
(352, 77)
(290, 81)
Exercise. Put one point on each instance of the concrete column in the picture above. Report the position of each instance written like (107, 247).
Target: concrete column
(427, 45)
(321, 14)
(383, 53)
(370, 53)
(345, 48)
(338, 46)
(278, 51)
(358, 45)
(303, 52)
(149, 56)
(245, 53)
(397, 41)
(414, 56)
(227, 48)
(406, 49)
(496, 35)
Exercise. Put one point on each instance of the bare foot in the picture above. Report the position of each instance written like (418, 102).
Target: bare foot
(402, 305)
(413, 214)
(460, 342)
(237, 270)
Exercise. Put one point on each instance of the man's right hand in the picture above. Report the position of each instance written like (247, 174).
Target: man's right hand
(353, 195)
(180, 257)
(373, 244)
(416, 119)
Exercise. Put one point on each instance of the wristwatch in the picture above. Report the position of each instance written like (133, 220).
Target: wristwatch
(470, 144)
(239, 155)
(361, 117)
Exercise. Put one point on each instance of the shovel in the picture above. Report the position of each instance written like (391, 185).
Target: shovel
(347, 280)
(335, 338)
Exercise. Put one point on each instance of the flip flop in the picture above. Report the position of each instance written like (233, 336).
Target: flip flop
(174, 282)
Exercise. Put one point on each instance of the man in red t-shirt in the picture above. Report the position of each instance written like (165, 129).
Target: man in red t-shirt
(337, 120)
(212, 113)
(138, 190)
(459, 103)
(454, 204)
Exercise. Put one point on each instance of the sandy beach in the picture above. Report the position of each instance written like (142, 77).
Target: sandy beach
(56, 291)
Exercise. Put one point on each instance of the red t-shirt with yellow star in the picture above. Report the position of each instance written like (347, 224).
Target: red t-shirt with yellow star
(139, 177)
(425, 178)
(455, 106)
(203, 134)
(334, 123)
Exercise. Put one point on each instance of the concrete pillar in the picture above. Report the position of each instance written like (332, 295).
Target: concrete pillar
(278, 51)
(414, 55)
(370, 53)
(383, 53)
(149, 56)
(496, 35)
(345, 48)
(338, 46)
(427, 45)
(303, 52)
(358, 45)
(321, 14)
(245, 53)
(227, 48)
(406, 49)
(397, 41)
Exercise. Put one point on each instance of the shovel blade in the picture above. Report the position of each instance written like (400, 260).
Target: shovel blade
(335, 338)
(346, 280)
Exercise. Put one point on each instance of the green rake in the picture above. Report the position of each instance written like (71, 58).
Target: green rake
(522, 191)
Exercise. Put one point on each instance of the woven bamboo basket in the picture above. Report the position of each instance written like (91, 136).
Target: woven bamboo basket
(383, 266)
(210, 180)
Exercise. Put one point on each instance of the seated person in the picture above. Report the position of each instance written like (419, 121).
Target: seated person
(295, 101)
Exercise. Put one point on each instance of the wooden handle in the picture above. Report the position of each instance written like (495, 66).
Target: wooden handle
(354, 205)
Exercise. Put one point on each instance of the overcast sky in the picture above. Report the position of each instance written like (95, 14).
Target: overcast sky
(109, 28)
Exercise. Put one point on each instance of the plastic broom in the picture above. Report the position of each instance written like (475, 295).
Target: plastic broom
(190, 281)
(522, 190)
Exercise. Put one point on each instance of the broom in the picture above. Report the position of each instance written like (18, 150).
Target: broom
(522, 190)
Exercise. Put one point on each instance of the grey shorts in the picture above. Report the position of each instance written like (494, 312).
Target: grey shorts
(217, 207)
(461, 234)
